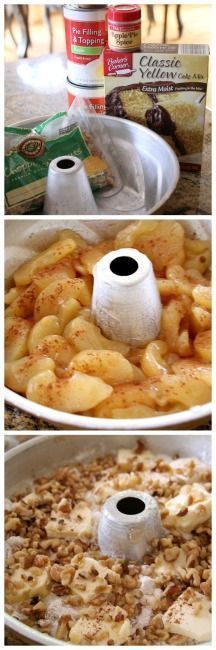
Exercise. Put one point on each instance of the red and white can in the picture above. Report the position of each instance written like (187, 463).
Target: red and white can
(86, 36)
(124, 28)
(95, 95)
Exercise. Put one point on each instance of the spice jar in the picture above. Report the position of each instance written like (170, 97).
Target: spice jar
(124, 28)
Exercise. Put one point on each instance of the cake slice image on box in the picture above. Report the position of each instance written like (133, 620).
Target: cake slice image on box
(163, 87)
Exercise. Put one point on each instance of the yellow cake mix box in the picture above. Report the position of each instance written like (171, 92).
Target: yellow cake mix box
(164, 88)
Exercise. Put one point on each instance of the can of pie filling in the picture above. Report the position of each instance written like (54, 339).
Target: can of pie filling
(95, 95)
(86, 36)
(124, 28)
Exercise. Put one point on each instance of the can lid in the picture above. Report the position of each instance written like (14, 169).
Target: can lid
(124, 13)
(87, 7)
(71, 83)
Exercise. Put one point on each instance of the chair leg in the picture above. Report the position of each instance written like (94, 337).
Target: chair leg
(151, 17)
(166, 7)
(179, 20)
(26, 18)
(49, 25)
(8, 20)
(22, 15)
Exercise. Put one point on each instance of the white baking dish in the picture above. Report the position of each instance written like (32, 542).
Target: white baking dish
(43, 453)
(22, 239)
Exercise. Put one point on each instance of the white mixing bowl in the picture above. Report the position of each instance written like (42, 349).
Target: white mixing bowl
(23, 238)
(29, 460)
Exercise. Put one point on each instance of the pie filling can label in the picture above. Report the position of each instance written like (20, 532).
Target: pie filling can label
(86, 36)
(94, 95)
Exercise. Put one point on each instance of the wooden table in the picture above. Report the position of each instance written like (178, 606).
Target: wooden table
(37, 87)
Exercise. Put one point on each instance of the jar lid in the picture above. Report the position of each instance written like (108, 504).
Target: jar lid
(124, 13)
(85, 7)
(83, 86)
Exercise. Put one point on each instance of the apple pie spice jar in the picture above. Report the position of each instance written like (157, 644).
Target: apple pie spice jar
(86, 36)
(94, 95)
(124, 28)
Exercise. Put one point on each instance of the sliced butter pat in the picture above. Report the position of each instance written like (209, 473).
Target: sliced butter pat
(32, 499)
(189, 509)
(153, 480)
(162, 567)
(93, 576)
(103, 490)
(77, 523)
(124, 481)
(190, 616)
(146, 481)
(127, 458)
(190, 469)
(110, 624)
(26, 583)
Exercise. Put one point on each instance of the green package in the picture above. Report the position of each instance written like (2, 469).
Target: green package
(27, 158)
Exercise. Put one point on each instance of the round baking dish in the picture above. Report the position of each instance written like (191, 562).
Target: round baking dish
(157, 159)
(29, 460)
(22, 241)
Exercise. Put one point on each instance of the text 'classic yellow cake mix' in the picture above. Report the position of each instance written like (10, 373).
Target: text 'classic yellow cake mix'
(164, 88)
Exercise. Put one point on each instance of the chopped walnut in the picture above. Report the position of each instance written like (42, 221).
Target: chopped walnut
(182, 512)
(41, 560)
(56, 572)
(171, 554)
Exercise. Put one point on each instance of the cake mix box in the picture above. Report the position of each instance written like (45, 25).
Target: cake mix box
(164, 88)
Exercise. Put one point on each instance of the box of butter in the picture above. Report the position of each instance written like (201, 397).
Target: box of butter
(164, 88)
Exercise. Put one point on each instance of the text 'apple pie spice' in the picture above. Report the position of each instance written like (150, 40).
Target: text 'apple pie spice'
(124, 28)
(86, 36)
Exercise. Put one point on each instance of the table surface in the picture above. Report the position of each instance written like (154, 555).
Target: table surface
(37, 87)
